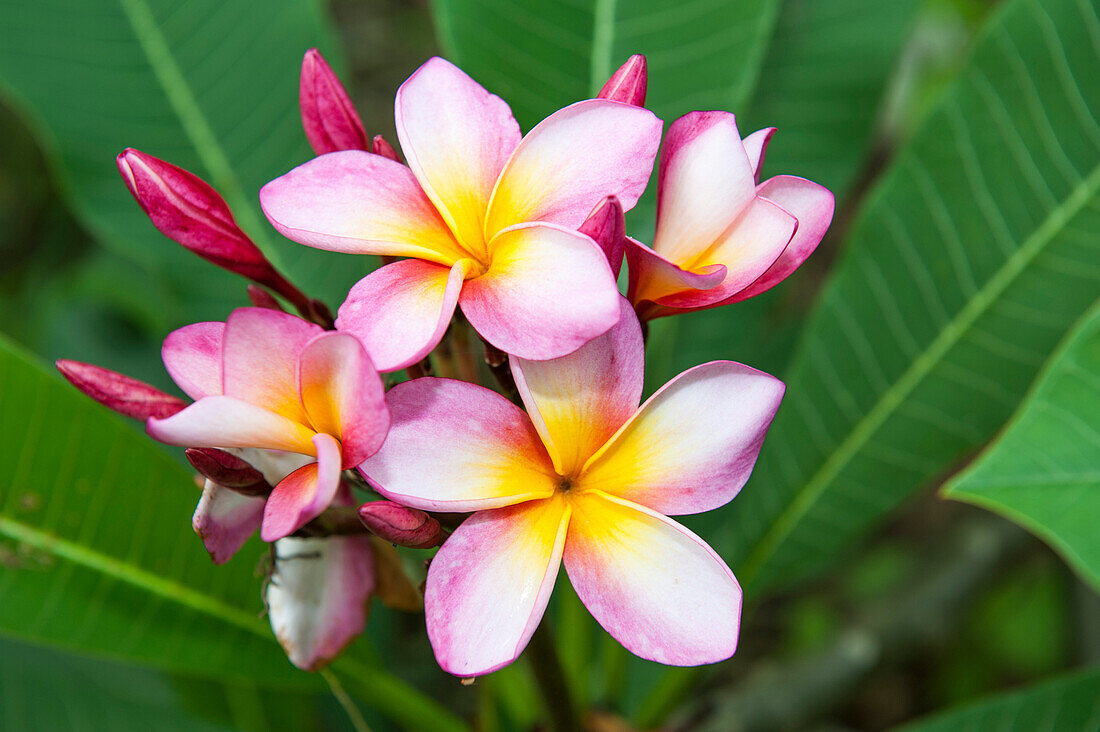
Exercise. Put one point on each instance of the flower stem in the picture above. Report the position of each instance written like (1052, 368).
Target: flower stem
(550, 680)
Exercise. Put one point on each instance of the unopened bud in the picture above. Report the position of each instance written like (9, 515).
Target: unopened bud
(261, 298)
(228, 471)
(607, 227)
(380, 147)
(121, 393)
(628, 83)
(328, 117)
(401, 525)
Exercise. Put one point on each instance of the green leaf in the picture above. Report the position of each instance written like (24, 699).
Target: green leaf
(210, 85)
(97, 555)
(1043, 472)
(973, 257)
(1071, 702)
(545, 54)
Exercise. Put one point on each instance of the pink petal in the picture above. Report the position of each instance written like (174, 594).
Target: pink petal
(343, 395)
(457, 138)
(304, 494)
(651, 275)
(572, 160)
(693, 444)
(704, 183)
(328, 116)
(548, 292)
(401, 311)
(456, 446)
(380, 146)
(359, 203)
(578, 401)
(221, 421)
(489, 584)
(227, 470)
(756, 145)
(628, 83)
(260, 359)
(606, 226)
(225, 519)
(653, 585)
(812, 205)
(193, 357)
(118, 392)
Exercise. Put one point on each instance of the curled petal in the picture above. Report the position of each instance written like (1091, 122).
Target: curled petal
(628, 83)
(756, 145)
(488, 586)
(693, 444)
(227, 470)
(221, 421)
(651, 274)
(328, 116)
(606, 226)
(548, 292)
(653, 585)
(193, 357)
(401, 525)
(304, 494)
(127, 396)
(225, 519)
(400, 311)
(456, 446)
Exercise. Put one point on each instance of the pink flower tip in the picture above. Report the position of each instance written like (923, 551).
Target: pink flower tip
(606, 225)
(401, 525)
(121, 393)
(379, 146)
(328, 116)
(628, 83)
(228, 471)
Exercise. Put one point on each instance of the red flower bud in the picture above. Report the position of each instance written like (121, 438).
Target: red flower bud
(329, 119)
(261, 298)
(228, 471)
(607, 226)
(401, 525)
(116, 391)
(628, 83)
(385, 149)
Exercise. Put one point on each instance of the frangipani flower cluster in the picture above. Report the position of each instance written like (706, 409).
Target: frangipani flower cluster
(298, 438)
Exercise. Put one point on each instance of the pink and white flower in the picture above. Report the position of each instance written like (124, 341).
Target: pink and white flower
(585, 477)
(268, 380)
(721, 237)
(487, 220)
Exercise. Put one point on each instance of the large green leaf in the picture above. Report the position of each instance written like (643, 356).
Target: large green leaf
(208, 84)
(1069, 703)
(542, 55)
(97, 555)
(1044, 470)
(969, 262)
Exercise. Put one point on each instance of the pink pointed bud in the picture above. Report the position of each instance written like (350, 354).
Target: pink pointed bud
(186, 209)
(401, 525)
(380, 147)
(116, 391)
(628, 83)
(329, 119)
(261, 298)
(228, 471)
(607, 227)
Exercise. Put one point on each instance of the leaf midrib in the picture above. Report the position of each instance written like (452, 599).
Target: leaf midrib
(920, 368)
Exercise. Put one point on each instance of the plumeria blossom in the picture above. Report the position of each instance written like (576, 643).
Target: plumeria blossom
(268, 380)
(585, 477)
(488, 220)
(721, 237)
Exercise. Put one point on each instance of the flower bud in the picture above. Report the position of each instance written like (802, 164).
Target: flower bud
(328, 117)
(261, 298)
(628, 83)
(401, 525)
(228, 471)
(385, 149)
(186, 209)
(607, 227)
(121, 393)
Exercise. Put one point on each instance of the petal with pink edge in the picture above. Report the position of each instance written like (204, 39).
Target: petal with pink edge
(456, 446)
(653, 277)
(607, 227)
(578, 401)
(548, 291)
(457, 138)
(573, 159)
(359, 203)
(756, 145)
(812, 205)
(401, 311)
(653, 585)
(224, 520)
(304, 494)
(193, 358)
(343, 395)
(693, 444)
(488, 586)
(260, 358)
(704, 183)
(221, 421)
